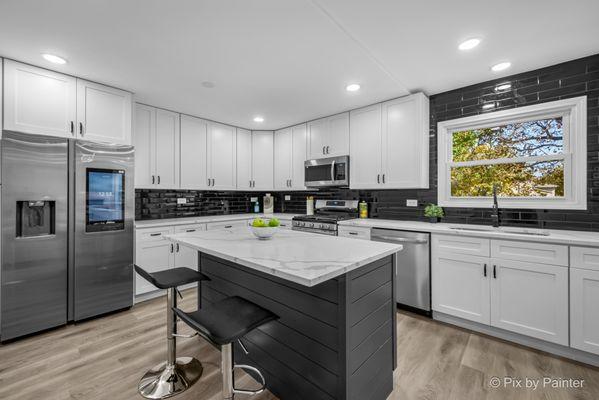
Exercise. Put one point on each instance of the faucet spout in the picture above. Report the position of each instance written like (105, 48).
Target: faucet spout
(495, 214)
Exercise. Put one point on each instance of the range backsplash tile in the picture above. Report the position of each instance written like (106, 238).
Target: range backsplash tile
(570, 79)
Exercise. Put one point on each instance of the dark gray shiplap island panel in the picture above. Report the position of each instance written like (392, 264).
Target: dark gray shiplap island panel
(335, 340)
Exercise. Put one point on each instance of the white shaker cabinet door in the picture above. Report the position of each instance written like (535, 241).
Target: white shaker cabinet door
(194, 153)
(318, 137)
(405, 147)
(145, 146)
(167, 149)
(460, 286)
(262, 159)
(338, 136)
(244, 159)
(103, 113)
(365, 148)
(283, 159)
(299, 156)
(584, 310)
(152, 256)
(222, 156)
(530, 299)
(39, 101)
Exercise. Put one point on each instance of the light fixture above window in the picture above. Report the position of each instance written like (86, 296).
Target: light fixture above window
(501, 66)
(469, 44)
(352, 87)
(258, 119)
(54, 59)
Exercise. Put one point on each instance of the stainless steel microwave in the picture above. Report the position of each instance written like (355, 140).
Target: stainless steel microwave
(326, 172)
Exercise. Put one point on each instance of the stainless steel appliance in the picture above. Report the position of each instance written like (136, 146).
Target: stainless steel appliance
(327, 213)
(67, 231)
(327, 172)
(413, 267)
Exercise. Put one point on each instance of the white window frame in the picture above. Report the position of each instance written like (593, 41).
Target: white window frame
(574, 114)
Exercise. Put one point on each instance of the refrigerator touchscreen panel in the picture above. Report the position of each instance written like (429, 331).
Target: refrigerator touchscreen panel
(105, 200)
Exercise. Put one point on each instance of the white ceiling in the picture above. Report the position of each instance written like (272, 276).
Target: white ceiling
(289, 60)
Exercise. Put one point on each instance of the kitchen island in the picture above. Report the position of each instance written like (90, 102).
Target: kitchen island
(335, 338)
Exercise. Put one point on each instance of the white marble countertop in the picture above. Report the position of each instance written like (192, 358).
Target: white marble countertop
(301, 257)
(574, 238)
(153, 223)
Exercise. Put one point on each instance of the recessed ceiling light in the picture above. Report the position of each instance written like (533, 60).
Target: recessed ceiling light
(469, 44)
(258, 119)
(488, 106)
(352, 87)
(208, 84)
(503, 86)
(501, 66)
(54, 59)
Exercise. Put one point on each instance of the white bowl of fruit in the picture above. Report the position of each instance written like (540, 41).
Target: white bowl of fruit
(264, 229)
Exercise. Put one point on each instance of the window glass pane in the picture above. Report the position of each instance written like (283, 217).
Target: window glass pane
(535, 179)
(523, 139)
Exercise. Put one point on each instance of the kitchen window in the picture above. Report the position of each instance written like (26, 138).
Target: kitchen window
(534, 155)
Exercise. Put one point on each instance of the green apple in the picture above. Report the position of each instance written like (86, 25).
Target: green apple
(274, 223)
(259, 223)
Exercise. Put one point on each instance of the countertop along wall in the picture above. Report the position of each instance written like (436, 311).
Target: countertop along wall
(569, 79)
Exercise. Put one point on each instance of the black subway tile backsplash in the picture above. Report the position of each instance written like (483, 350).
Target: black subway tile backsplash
(573, 78)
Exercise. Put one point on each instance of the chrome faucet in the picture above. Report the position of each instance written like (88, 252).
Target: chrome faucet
(495, 214)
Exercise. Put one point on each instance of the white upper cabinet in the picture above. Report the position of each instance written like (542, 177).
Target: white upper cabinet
(365, 147)
(221, 156)
(145, 146)
(283, 159)
(406, 142)
(194, 153)
(39, 101)
(289, 157)
(167, 149)
(103, 113)
(389, 144)
(244, 159)
(262, 160)
(156, 148)
(329, 137)
(43, 102)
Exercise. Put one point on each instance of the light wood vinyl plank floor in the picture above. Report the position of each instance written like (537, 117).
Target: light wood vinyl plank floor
(104, 358)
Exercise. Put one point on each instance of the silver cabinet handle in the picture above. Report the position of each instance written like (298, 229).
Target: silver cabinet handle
(353, 233)
(401, 240)
(383, 178)
(172, 248)
(190, 230)
(72, 127)
(177, 247)
(378, 178)
(327, 149)
(323, 147)
(159, 179)
(228, 226)
(155, 234)
(153, 179)
(81, 128)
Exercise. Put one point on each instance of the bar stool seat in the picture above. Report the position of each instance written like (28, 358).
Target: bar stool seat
(223, 323)
(174, 375)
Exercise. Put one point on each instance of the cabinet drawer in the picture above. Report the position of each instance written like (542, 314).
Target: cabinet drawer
(152, 234)
(226, 225)
(584, 257)
(354, 232)
(532, 252)
(453, 244)
(190, 228)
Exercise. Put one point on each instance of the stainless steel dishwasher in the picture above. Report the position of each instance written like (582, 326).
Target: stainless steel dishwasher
(412, 266)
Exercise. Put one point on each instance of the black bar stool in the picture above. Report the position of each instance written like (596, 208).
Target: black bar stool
(223, 323)
(174, 375)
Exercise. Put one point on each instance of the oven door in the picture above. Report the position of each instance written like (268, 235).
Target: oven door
(326, 172)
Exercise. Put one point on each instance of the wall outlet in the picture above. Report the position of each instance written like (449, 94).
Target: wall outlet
(287, 197)
(253, 199)
(181, 200)
(412, 203)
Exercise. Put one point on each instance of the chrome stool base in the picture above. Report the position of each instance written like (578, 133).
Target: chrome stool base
(164, 380)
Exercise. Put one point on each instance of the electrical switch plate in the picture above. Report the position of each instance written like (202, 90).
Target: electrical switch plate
(287, 197)
(412, 203)
(253, 199)
(182, 200)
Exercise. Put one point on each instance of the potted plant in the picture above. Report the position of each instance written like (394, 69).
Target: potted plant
(433, 212)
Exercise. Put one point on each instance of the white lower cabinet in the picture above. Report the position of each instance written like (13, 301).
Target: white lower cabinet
(460, 286)
(584, 309)
(226, 225)
(152, 253)
(530, 299)
(354, 232)
(519, 296)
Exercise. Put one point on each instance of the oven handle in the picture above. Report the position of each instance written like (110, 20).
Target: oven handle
(333, 170)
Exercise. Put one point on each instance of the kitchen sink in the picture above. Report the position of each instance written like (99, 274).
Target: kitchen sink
(514, 231)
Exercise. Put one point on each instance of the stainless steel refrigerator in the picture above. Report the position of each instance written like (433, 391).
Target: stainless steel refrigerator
(67, 231)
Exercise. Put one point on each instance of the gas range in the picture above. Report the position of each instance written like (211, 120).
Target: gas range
(327, 213)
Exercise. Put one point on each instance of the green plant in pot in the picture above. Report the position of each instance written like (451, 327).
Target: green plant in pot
(434, 212)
